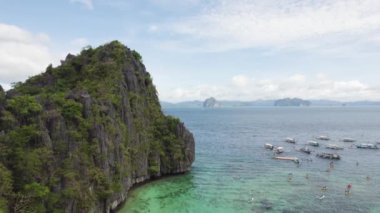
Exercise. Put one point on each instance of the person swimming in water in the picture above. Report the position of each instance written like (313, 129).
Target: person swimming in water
(331, 165)
(348, 189)
(321, 197)
(290, 177)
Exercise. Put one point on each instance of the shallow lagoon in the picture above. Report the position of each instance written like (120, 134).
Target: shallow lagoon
(234, 173)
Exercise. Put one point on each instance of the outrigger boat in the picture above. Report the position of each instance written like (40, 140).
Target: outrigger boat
(333, 146)
(278, 150)
(329, 156)
(305, 150)
(294, 159)
(323, 138)
(348, 140)
(268, 146)
(313, 143)
(290, 140)
(367, 146)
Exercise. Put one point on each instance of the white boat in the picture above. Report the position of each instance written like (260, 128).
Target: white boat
(329, 156)
(333, 146)
(367, 146)
(294, 159)
(290, 140)
(278, 150)
(348, 140)
(305, 150)
(268, 146)
(313, 143)
(323, 138)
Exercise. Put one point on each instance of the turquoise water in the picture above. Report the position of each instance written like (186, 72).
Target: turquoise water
(234, 173)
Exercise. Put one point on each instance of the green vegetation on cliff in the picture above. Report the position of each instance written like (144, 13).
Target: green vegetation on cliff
(76, 137)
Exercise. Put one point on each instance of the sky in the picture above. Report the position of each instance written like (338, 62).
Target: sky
(195, 49)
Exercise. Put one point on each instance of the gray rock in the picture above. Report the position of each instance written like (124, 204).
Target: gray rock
(211, 103)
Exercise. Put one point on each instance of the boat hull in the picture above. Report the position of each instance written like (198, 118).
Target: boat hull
(329, 156)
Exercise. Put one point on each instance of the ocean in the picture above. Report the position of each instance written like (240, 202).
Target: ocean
(233, 172)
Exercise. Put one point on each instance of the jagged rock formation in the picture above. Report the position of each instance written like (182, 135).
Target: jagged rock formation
(211, 103)
(77, 137)
(291, 102)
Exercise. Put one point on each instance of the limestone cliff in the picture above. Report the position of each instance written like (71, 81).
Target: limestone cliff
(78, 136)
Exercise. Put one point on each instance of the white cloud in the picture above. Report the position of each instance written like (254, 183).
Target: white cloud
(152, 28)
(297, 78)
(75, 46)
(302, 24)
(245, 88)
(22, 53)
(88, 4)
(192, 93)
(240, 80)
(80, 42)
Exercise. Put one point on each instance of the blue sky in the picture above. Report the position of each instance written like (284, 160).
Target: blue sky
(229, 49)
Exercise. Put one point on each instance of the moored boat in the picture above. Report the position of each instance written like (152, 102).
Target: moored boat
(268, 146)
(333, 146)
(290, 140)
(278, 150)
(367, 146)
(294, 159)
(331, 156)
(323, 138)
(305, 150)
(313, 143)
(348, 140)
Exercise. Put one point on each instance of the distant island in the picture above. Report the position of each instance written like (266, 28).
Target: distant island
(211, 103)
(292, 102)
(184, 104)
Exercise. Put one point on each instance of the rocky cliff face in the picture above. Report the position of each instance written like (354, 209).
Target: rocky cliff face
(77, 137)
